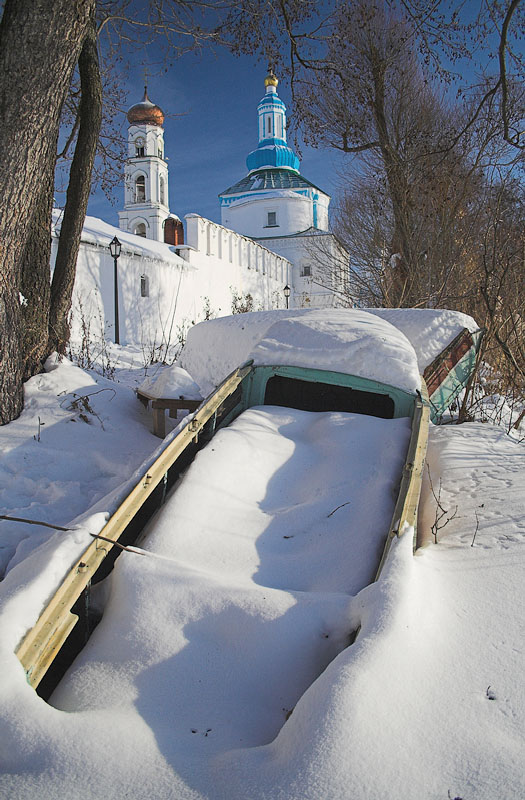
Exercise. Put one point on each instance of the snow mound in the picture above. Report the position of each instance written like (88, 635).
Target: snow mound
(343, 340)
(172, 383)
(429, 330)
(69, 449)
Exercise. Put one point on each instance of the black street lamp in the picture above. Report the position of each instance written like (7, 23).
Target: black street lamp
(287, 292)
(114, 248)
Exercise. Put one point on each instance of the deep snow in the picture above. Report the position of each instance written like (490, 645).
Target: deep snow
(257, 556)
(428, 703)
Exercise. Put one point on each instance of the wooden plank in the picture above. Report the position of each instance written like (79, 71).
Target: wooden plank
(56, 639)
(436, 372)
(159, 406)
(43, 640)
(176, 404)
(406, 508)
(159, 422)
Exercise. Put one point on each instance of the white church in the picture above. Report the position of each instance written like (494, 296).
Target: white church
(263, 255)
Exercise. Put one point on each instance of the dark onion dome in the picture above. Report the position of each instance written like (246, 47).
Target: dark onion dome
(145, 112)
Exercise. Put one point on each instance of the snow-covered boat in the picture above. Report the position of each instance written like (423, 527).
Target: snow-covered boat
(446, 343)
(337, 363)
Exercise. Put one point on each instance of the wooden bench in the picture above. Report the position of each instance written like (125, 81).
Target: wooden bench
(159, 406)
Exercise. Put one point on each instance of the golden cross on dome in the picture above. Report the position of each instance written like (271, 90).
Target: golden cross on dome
(146, 76)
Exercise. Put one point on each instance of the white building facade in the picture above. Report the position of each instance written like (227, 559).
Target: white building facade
(276, 206)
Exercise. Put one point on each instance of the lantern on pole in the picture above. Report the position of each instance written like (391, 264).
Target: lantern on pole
(114, 248)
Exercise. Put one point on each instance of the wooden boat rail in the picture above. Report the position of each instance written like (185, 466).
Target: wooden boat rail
(41, 644)
(405, 513)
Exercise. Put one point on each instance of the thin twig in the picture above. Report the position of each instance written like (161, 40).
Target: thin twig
(35, 522)
(117, 544)
(477, 526)
(475, 532)
(435, 527)
(337, 508)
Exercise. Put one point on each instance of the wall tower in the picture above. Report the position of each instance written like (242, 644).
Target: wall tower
(146, 194)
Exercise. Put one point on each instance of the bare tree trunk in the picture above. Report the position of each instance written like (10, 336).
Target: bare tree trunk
(90, 115)
(401, 269)
(39, 46)
(34, 280)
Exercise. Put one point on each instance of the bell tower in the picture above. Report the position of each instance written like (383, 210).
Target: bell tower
(272, 150)
(146, 198)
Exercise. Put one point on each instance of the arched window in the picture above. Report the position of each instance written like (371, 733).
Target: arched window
(140, 149)
(140, 189)
(160, 151)
(140, 229)
(162, 193)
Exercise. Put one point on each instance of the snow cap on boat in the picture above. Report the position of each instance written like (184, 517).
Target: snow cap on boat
(429, 330)
(341, 340)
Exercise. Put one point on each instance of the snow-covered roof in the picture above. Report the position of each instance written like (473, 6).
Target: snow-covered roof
(343, 340)
(429, 330)
(98, 232)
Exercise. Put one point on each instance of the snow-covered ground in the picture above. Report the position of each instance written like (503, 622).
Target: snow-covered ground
(428, 703)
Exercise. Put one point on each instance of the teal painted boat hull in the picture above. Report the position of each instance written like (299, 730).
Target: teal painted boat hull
(319, 390)
(450, 372)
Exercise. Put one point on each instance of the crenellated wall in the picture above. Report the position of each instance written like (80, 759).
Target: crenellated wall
(234, 251)
(163, 289)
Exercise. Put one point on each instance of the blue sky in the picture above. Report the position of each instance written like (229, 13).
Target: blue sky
(210, 102)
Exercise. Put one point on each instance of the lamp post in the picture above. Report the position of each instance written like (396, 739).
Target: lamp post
(287, 292)
(115, 248)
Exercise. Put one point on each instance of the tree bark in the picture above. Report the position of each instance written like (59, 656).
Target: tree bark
(90, 115)
(401, 274)
(39, 46)
(34, 280)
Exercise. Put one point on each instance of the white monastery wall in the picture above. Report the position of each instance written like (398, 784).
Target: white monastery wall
(163, 288)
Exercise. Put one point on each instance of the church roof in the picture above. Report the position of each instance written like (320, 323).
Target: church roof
(146, 112)
(311, 231)
(265, 179)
